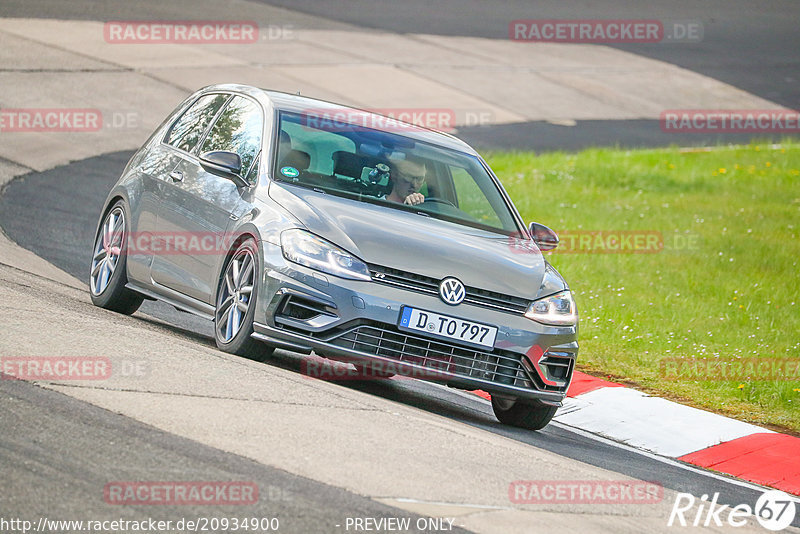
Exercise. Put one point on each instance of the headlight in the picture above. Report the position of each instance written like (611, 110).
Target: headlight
(558, 309)
(307, 249)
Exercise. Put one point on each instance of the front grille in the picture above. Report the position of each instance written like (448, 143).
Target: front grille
(499, 366)
(426, 284)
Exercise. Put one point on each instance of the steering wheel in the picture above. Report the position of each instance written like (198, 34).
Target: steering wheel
(438, 200)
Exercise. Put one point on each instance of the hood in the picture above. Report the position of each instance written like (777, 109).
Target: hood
(418, 244)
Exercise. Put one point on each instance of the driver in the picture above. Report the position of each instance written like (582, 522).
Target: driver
(408, 176)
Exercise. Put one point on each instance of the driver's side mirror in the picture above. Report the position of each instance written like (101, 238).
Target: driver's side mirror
(225, 164)
(544, 237)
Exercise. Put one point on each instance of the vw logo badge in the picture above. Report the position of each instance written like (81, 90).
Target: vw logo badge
(452, 291)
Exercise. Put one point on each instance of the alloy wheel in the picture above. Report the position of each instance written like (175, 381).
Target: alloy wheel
(234, 299)
(107, 250)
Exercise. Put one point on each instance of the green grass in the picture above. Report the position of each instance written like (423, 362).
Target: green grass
(724, 286)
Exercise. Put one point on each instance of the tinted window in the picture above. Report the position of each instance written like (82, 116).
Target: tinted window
(238, 129)
(188, 129)
(382, 167)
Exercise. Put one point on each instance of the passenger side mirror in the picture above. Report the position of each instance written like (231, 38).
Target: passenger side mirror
(544, 237)
(225, 164)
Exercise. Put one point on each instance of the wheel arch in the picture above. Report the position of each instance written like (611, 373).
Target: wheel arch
(114, 196)
(242, 234)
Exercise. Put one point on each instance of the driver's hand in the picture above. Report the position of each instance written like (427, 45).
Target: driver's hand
(414, 198)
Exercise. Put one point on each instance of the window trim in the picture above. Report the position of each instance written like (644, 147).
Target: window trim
(256, 165)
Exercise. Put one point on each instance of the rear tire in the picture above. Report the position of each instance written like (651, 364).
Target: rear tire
(236, 304)
(107, 272)
(533, 416)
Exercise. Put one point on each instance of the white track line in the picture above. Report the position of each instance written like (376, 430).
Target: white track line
(653, 456)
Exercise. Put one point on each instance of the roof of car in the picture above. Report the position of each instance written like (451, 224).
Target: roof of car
(303, 104)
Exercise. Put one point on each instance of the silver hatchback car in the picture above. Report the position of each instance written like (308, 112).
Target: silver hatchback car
(300, 224)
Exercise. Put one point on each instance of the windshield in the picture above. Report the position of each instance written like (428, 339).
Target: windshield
(376, 166)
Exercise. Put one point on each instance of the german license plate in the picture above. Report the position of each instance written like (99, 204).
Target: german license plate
(447, 327)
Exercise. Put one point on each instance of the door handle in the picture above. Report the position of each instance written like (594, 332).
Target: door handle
(177, 176)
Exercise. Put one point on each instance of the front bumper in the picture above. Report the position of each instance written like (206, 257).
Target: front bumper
(356, 321)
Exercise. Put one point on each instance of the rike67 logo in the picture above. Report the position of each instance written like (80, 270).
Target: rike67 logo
(774, 510)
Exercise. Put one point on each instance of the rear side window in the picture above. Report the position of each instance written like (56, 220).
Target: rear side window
(188, 129)
(238, 129)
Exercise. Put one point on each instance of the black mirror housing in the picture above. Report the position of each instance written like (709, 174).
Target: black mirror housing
(544, 237)
(225, 164)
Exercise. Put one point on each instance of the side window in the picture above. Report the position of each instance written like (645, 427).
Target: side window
(187, 130)
(471, 199)
(238, 129)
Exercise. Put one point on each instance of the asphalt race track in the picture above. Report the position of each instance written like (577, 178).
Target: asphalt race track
(57, 446)
(91, 436)
(745, 44)
(749, 45)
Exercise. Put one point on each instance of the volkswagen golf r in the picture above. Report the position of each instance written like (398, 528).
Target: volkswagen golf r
(300, 224)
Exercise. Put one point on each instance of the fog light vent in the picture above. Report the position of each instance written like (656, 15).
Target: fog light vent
(557, 365)
(302, 309)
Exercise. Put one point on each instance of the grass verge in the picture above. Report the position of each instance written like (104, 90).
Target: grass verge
(713, 285)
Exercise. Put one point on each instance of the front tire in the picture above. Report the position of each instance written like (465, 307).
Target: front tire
(236, 304)
(107, 273)
(533, 416)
